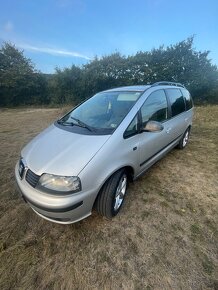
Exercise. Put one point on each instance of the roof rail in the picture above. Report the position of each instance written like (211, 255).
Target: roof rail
(166, 83)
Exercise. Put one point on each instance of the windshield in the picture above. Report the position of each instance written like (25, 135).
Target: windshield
(104, 111)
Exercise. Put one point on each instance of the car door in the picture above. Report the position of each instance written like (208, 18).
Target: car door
(179, 118)
(155, 108)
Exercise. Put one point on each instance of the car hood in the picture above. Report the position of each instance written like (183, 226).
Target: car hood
(60, 152)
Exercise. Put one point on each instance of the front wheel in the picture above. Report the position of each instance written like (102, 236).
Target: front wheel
(184, 140)
(111, 197)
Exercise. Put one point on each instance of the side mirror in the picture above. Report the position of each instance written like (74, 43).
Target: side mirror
(153, 126)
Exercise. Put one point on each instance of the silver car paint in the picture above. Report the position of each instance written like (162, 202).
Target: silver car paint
(95, 158)
(66, 153)
(118, 152)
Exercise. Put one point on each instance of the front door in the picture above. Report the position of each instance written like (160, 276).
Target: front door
(155, 108)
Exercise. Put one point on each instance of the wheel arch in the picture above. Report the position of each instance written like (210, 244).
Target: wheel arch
(130, 174)
(189, 127)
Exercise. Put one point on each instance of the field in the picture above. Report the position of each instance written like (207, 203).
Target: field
(166, 236)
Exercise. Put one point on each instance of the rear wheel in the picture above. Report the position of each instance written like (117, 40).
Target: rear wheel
(111, 197)
(184, 140)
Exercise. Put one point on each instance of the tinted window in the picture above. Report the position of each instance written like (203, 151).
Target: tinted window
(176, 100)
(188, 99)
(155, 107)
(132, 128)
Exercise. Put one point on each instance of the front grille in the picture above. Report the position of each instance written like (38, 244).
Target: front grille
(32, 178)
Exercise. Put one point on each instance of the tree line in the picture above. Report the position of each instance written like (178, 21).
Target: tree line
(22, 84)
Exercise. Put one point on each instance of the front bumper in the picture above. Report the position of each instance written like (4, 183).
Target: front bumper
(62, 209)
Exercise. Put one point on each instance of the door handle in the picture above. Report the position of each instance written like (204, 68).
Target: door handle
(186, 119)
(168, 130)
(134, 148)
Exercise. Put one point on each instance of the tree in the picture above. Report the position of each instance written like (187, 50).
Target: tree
(19, 81)
(21, 84)
(180, 63)
(64, 85)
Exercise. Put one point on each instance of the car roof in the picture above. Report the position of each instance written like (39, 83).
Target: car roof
(142, 88)
(130, 89)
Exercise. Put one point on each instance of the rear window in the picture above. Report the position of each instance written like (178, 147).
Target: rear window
(188, 99)
(176, 100)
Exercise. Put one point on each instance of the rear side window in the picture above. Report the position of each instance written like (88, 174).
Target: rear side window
(155, 107)
(188, 99)
(176, 100)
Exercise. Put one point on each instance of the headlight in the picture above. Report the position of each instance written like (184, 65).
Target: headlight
(60, 183)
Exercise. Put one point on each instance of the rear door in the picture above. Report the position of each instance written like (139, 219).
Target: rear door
(179, 120)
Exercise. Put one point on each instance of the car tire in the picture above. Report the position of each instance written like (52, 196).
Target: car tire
(184, 140)
(112, 194)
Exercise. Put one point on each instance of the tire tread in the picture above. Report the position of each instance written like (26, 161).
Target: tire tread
(105, 197)
(180, 145)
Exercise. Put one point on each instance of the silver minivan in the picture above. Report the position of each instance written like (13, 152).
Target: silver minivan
(86, 159)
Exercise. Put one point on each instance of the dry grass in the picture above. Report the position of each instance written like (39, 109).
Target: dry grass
(165, 237)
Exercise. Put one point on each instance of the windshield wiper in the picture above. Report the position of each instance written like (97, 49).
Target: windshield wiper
(79, 123)
(82, 124)
(65, 123)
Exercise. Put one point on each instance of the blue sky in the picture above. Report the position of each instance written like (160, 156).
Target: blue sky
(64, 32)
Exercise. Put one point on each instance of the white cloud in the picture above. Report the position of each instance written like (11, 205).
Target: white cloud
(53, 51)
(8, 26)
